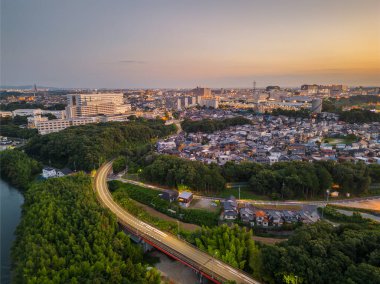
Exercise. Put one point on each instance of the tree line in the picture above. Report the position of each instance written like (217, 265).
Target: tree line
(86, 147)
(281, 180)
(359, 116)
(303, 112)
(18, 169)
(211, 125)
(64, 236)
(309, 180)
(174, 172)
(353, 115)
(335, 105)
(322, 253)
(24, 105)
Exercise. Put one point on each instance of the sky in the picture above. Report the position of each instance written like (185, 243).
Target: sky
(183, 44)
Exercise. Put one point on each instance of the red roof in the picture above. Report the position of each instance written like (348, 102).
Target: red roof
(260, 214)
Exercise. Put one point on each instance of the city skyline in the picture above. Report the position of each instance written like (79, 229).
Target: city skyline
(168, 44)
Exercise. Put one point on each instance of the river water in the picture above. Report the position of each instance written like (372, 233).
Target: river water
(10, 212)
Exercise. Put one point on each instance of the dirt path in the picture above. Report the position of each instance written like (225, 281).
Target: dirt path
(154, 212)
(270, 241)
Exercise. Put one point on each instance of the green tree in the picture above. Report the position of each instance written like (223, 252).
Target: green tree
(64, 236)
(119, 164)
(17, 168)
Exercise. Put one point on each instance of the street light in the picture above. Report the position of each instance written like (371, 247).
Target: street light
(327, 200)
(327, 197)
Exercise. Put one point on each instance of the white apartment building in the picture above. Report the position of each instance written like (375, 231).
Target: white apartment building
(80, 105)
(37, 112)
(55, 125)
(210, 102)
(27, 112)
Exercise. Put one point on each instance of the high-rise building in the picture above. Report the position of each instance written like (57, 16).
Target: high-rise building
(203, 92)
(82, 105)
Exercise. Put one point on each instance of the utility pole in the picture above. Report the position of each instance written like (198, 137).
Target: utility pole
(327, 200)
(178, 229)
(239, 192)
(282, 190)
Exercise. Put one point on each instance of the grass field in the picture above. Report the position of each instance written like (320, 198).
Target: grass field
(245, 193)
(340, 140)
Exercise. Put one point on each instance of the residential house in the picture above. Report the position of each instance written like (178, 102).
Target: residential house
(230, 211)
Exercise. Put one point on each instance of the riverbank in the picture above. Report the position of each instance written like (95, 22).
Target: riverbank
(10, 211)
(173, 271)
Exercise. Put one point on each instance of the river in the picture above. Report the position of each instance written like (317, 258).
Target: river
(10, 212)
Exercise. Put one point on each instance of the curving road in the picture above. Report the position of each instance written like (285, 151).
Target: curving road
(263, 202)
(184, 252)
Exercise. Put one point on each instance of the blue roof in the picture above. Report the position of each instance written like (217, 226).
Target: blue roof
(185, 194)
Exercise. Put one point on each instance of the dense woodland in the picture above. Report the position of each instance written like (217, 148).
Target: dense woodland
(321, 253)
(211, 125)
(174, 172)
(282, 180)
(86, 147)
(233, 245)
(18, 169)
(359, 116)
(65, 237)
(119, 164)
(309, 180)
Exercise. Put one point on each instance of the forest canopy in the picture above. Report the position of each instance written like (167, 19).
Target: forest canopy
(17, 168)
(283, 180)
(173, 172)
(65, 237)
(321, 253)
(86, 147)
(211, 125)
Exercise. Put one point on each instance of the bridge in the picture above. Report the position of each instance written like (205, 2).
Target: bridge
(211, 268)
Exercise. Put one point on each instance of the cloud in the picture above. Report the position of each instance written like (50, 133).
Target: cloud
(132, 62)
